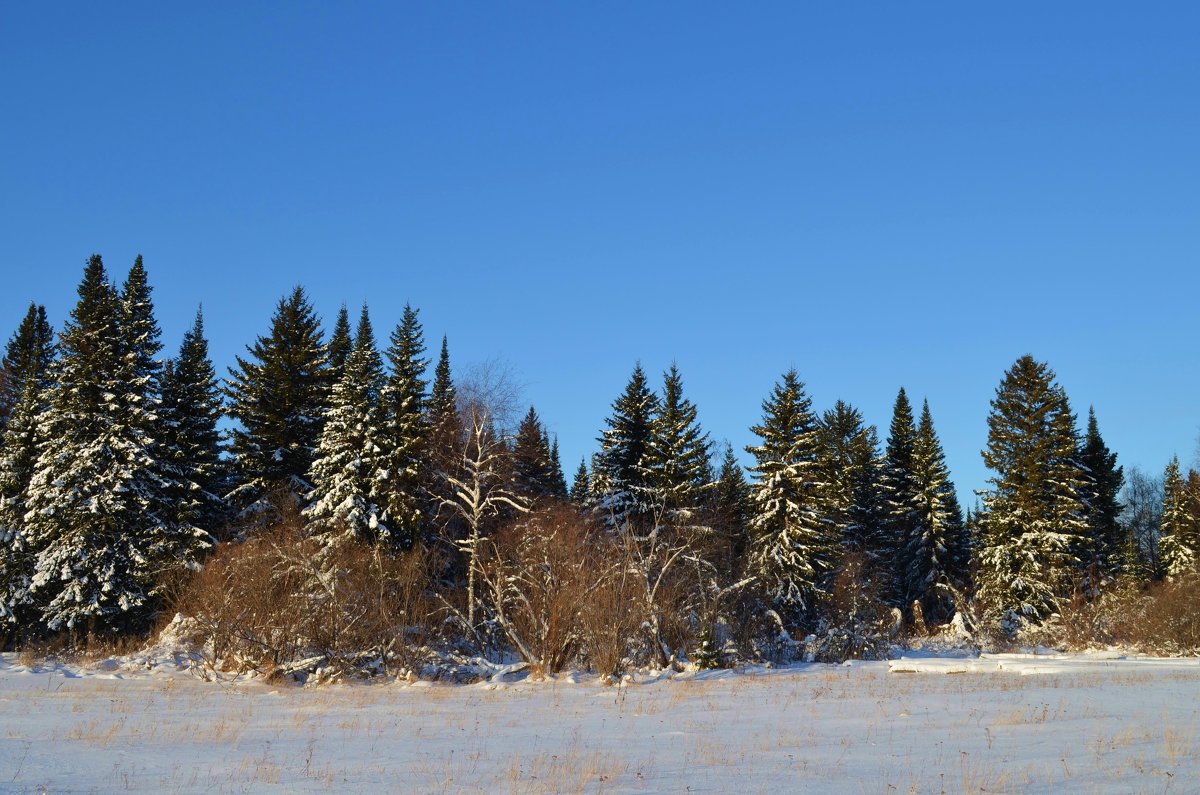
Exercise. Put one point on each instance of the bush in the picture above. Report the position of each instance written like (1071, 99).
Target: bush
(1163, 618)
(538, 575)
(856, 624)
(282, 602)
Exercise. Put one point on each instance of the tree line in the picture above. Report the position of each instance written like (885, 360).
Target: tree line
(117, 484)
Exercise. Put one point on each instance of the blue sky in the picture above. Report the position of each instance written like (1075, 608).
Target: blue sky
(899, 194)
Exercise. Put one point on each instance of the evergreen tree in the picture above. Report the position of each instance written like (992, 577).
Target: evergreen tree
(558, 478)
(898, 491)
(1068, 510)
(191, 409)
(621, 478)
(793, 546)
(937, 554)
(732, 507)
(581, 486)
(598, 487)
(533, 477)
(156, 485)
(29, 353)
(678, 472)
(18, 456)
(850, 466)
(443, 399)
(445, 449)
(340, 344)
(91, 519)
(1177, 539)
(1034, 515)
(405, 432)
(348, 474)
(1106, 542)
(278, 396)
(25, 383)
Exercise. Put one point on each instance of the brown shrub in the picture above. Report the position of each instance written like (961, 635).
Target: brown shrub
(281, 598)
(609, 618)
(538, 575)
(1161, 619)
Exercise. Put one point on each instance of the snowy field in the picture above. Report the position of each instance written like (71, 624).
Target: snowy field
(1005, 723)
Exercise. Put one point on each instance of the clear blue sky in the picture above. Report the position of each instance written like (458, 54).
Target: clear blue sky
(898, 194)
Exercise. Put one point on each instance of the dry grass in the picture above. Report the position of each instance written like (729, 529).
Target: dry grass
(796, 730)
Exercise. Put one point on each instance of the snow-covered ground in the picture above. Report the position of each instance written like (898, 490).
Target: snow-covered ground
(1002, 723)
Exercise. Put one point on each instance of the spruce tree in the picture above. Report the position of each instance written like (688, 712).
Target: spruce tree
(18, 457)
(25, 382)
(1033, 512)
(153, 500)
(731, 510)
(191, 410)
(278, 396)
(1178, 541)
(1068, 478)
(558, 478)
(444, 448)
(937, 553)
(349, 473)
(90, 519)
(405, 432)
(793, 546)
(29, 353)
(598, 487)
(678, 472)
(1106, 542)
(581, 486)
(532, 476)
(443, 399)
(850, 465)
(898, 491)
(340, 343)
(621, 480)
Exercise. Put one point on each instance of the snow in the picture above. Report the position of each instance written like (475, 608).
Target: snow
(1102, 722)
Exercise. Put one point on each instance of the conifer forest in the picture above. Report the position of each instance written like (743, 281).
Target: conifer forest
(559, 398)
(340, 503)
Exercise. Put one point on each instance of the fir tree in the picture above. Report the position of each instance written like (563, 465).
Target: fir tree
(898, 491)
(152, 501)
(558, 478)
(405, 432)
(850, 466)
(348, 474)
(581, 486)
(1034, 515)
(678, 472)
(191, 409)
(18, 456)
(1177, 541)
(340, 344)
(1068, 511)
(598, 488)
(278, 396)
(792, 543)
(937, 553)
(25, 383)
(731, 508)
(1106, 542)
(443, 399)
(533, 477)
(88, 500)
(29, 353)
(444, 448)
(621, 474)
